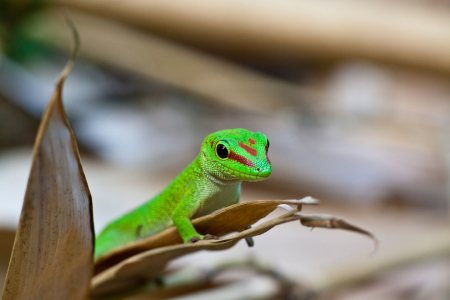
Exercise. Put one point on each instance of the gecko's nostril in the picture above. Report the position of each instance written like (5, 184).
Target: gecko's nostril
(257, 169)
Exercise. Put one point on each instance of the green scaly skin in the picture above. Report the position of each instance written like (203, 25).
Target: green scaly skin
(212, 181)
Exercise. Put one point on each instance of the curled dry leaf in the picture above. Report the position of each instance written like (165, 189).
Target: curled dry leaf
(52, 254)
(225, 221)
(144, 260)
(148, 265)
(332, 222)
(138, 262)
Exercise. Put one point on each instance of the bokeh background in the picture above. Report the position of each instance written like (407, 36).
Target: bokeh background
(354, 97)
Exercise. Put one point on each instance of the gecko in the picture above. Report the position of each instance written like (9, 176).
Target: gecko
(212, 181)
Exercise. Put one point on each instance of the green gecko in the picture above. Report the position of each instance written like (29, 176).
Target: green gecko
(212, 181)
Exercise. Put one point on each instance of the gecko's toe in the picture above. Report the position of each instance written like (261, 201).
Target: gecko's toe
(210, 237)
(194, 239)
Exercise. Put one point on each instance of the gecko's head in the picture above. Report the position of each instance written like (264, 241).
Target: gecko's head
(236, 154)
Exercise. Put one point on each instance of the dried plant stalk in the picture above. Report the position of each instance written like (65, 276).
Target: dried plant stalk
(413, 35)
(209, 78)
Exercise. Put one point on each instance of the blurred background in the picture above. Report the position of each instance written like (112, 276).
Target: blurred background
(354, 97)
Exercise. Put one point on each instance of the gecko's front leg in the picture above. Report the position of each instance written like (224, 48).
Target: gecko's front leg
(181, 219)
(182, 215)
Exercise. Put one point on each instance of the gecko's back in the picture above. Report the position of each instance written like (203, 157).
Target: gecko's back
(148, 219)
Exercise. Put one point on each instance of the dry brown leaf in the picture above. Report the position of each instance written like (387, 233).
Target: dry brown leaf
(148, 265)
(225, 221)
(121, 270)
(52, 255)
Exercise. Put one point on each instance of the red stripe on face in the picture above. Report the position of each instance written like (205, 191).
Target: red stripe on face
(251, 141)
(249, 149)
(240, 159)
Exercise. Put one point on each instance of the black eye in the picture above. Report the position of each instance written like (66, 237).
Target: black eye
(222, 151)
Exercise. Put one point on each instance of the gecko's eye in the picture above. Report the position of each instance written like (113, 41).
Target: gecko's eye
(222, 151)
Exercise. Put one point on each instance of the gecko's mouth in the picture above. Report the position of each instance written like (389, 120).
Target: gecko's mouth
(246, 176)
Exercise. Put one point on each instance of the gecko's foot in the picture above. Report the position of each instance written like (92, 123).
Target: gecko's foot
(159, 281)
(210, 237)
(194, 239)
(250, 241)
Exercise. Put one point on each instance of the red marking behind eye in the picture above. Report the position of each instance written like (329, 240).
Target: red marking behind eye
(212, 142)
(267, 157)
(249, 149)
(251, 141)
(240, 159)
